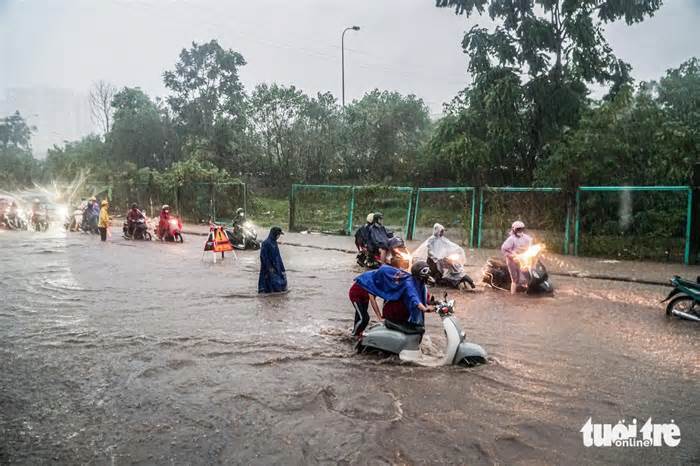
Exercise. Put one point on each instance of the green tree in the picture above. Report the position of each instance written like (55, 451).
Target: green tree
(17, 165)
(558, 46)
(141, 131)
(384, 136)
(208, 100)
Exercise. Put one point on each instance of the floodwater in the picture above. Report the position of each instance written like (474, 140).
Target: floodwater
(143, 353)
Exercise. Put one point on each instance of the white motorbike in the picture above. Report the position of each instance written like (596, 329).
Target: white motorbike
(395, 338)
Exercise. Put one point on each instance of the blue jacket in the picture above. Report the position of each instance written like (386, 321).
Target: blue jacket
(273, 277)
(392, 284)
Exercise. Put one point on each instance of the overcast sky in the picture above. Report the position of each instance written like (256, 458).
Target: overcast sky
(404, 45)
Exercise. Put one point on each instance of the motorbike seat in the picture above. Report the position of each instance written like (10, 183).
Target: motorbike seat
(404, 327)
(689, 284)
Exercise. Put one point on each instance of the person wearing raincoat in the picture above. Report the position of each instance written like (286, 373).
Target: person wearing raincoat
(445, 258)
(273, 277)
(378, 237)
(103, 223)
(517, 242)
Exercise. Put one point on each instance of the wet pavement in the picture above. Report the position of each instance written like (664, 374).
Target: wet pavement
(148, 353)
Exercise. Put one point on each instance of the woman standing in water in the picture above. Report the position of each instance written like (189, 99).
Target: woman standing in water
(104, 220)
(273, 277)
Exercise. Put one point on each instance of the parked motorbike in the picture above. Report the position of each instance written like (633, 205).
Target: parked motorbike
(140, 230)
(243, 236)
(686, 299)
(173, 232)
(396, 338)
(534, 278)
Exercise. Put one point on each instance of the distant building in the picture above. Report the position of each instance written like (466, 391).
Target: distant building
(58, 114)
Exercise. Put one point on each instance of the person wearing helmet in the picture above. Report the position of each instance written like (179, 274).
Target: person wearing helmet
(103, 223)
(517, 242)
(361, 234)
(163, 221)
(238, 218)
(133, 217)
(378, 238)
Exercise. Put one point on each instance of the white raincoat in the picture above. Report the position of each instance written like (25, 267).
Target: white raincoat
(439, 248)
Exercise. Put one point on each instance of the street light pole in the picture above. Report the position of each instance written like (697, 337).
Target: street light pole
(342, 55)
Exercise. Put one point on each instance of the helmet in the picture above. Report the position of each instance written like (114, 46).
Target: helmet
(104, 202)
(377, 216)
(396, 242)
(165, 207)
(134, 206)
(517, 225)
(370, 217)
(240, 212)
(421, 271)
(93, 199)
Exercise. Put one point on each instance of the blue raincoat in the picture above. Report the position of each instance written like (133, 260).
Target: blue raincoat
(392, 284)
(273, 277)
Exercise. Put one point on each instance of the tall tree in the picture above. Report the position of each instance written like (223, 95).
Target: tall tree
(141, 133)
(101, 96)
(558, 46)
(16, 162)
(208, 98)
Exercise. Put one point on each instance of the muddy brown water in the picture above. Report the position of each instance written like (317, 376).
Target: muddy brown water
(136, 353)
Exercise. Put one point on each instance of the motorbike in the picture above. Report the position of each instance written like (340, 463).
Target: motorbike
(243, 236)
(140, 231)
(39, 221)
(73, 221)
(16, 220)
(396, 338)
(448, 271)
(89, 222)
(368, 260)
(684, 299)
(534, 277)
(174, 231)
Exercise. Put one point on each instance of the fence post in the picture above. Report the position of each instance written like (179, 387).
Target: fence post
(415, 215)
(408, 213)
(578, 220)
(291, 208)
(481, 217)
(693, 239)
(351, 210)
(245, 199)
(567, 226)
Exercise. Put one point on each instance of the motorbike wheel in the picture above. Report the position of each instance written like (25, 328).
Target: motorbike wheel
(147, 236)
(253, 244)
(179, 238)
(683, 304)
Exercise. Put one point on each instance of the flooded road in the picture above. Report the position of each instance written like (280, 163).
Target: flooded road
(136, 353)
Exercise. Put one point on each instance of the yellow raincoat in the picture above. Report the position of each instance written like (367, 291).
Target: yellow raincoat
(104, 215)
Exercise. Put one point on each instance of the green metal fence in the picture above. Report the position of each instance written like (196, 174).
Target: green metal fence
(543, 210)
(634, 222)
(341, 208)
(453, 207)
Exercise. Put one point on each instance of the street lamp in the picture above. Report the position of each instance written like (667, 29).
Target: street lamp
(342, 53)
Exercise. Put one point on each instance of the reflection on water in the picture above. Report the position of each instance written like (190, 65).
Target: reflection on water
(135, 352)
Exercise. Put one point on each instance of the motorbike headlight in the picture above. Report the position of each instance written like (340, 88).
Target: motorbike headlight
(173, 222)
(535, 274)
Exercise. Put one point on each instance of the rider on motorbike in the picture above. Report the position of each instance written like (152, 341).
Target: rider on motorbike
(378, 237)
(239, 218)
(164, 221)
(132, 217)
(517, 242)
(361, 235)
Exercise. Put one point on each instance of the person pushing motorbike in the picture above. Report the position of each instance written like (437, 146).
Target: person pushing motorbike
(392, 285)
(517, 242)
(163, 221)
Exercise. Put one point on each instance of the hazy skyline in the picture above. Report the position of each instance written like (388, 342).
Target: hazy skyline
(404, 45)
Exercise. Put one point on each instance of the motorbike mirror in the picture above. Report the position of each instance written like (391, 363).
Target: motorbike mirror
(445, 297)
(432, 300)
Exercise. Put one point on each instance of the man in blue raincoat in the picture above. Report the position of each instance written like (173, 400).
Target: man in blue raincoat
(273, 277)
(392, 284)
